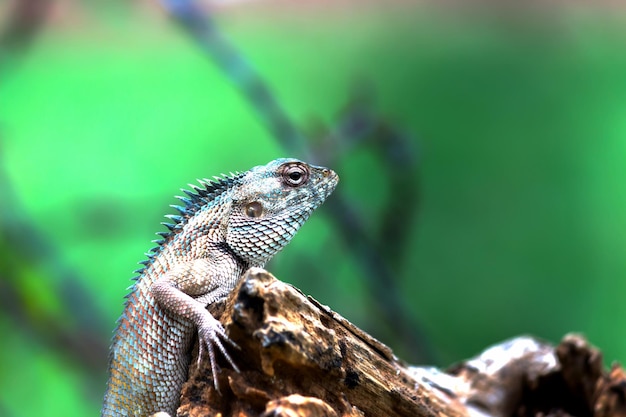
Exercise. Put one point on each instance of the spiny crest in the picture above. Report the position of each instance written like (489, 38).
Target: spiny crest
(199, 196)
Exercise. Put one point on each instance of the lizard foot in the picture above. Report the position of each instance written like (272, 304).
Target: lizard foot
(211, 333)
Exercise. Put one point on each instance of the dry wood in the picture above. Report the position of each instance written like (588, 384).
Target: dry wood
(299, 358)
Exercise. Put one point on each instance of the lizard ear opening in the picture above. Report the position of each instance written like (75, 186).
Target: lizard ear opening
(253, 209)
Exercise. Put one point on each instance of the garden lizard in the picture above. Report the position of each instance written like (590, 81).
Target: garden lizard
(224, 227)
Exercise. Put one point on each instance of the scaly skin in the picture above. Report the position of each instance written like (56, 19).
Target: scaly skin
(225, 227)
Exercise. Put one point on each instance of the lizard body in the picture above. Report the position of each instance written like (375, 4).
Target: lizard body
(225, 227)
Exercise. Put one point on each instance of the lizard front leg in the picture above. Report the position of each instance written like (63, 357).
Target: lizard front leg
(187, 289)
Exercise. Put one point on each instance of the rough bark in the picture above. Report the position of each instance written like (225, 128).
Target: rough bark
(299, 358)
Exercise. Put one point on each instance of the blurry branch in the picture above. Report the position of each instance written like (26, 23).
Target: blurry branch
(77, 326)
(25, 20)
(359, 126)
(375, 251)
(378, 250)
(35, 267)
(200, 27)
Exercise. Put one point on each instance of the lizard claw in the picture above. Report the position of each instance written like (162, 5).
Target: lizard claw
(211, 333)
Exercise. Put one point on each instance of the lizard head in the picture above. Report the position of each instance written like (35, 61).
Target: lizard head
(270, 203)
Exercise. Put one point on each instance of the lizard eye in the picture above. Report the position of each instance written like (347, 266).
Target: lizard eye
(294, 174)
(253, 209)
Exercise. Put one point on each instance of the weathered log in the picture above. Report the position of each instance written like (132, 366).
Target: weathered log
(299, 358)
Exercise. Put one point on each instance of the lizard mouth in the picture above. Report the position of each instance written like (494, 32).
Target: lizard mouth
(330, 180)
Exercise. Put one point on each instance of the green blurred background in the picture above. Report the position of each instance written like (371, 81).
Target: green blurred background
(518, 125)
